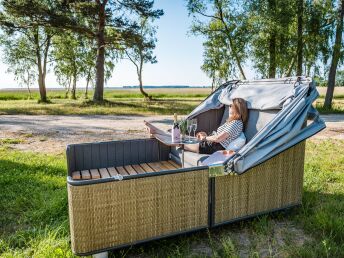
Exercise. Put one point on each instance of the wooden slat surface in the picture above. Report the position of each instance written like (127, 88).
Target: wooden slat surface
(163, 166)
(130, 170)
(146, 167)
(85, 174)
(122, 171)
(76, 175)
(139, 169)
(125, 170)
(174, 164)
(104, 173)
(155, 166)
(168, 165)
(112, 171)
(95, 173)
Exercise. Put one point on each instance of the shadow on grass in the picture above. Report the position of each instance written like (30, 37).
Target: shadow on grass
(31, 195)
(315, 216)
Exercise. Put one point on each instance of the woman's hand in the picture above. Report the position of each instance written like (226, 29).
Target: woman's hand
(201, 135)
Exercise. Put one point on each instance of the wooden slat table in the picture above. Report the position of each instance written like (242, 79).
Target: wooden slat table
(125, 170)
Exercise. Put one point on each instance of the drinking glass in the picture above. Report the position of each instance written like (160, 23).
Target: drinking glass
(194, 123)
(189, 125)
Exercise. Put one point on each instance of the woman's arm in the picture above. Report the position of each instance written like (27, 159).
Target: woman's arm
(217, 138)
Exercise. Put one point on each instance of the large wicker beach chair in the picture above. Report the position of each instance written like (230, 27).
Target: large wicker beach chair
(122, 193)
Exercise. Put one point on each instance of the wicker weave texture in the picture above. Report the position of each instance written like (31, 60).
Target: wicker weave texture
(274, 184)
(123, 212)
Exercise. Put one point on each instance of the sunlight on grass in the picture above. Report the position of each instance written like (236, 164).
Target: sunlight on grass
(121, 102)
(111, 107)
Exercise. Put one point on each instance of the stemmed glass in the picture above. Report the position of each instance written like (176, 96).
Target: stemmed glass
(194, 124)
(189, 124)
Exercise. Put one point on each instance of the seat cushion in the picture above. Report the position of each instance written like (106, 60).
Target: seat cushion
(191, 159)
(238, 143)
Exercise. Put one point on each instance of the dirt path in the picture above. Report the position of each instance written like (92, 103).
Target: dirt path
(52, 133)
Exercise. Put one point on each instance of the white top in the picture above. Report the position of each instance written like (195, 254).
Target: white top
(233, 128)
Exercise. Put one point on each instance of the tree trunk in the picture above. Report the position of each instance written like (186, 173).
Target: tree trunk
(41, 77)
(299, 37)
(74, 86)
(212, 84)
(87, 82)
(100, 61)
(272, 42)
(290, 67)
(231, 44)
(272, 56)
(139, 74)
(68, 88)
(28, 84)
(335, 56)
(237, 59)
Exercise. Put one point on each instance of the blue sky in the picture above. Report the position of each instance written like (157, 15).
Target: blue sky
(179, 55)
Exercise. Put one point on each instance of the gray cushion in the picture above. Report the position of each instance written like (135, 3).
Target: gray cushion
(225, 115)
(257, 119)
(191, 159)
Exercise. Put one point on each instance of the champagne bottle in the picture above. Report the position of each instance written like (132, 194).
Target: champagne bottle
(175, 130)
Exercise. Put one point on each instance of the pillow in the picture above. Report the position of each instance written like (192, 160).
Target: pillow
(225, 115)
(238, 143)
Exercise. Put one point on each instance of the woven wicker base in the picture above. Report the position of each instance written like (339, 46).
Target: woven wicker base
(113, 214)
(123, 212)
(271, 185)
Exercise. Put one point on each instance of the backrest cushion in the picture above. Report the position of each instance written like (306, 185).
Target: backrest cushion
(209, 120)
(257, 119)
(225, 115)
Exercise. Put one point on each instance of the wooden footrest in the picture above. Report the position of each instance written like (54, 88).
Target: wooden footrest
(125, 170)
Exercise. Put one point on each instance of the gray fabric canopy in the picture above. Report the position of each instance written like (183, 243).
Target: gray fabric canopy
(296, 120)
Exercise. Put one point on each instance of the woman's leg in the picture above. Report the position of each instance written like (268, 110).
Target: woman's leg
(192, 147)
(153, 129)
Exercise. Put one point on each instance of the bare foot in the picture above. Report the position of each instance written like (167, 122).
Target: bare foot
(150, 128)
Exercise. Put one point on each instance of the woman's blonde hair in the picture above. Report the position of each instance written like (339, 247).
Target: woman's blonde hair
(239, 111)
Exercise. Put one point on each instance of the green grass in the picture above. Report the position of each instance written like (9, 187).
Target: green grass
(122, 102)
(10, 141)
(119, 102)
(110, 94)
(111, 107)
(34, 214)
(337, 107)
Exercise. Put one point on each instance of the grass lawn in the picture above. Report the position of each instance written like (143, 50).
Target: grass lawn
(123, 102)
(34, 217)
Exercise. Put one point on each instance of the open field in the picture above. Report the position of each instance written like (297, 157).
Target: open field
(34, 217)
(125, 102)
(50, 134)
(120, 93)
